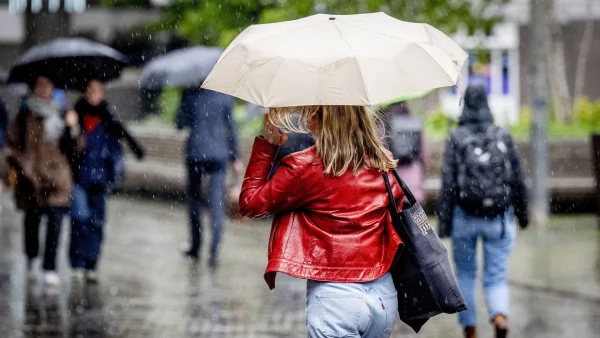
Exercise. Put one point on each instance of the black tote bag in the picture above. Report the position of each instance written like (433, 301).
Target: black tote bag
(422, 274)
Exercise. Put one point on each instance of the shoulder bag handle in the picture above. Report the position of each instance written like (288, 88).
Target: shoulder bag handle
(409, 195)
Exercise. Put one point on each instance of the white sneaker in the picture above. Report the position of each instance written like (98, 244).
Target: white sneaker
(92, 277)
(51, 279)
(78, 275)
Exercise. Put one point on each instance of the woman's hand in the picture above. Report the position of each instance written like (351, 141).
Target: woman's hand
(272, 134)
(71, 118)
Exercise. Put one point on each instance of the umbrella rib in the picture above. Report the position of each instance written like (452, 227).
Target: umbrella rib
(437, 63)
(427, 26)
(362, 76)
(372, 31)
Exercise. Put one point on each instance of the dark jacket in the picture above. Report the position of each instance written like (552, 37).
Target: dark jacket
(296, 142)
(476, 116)
(3, 122)
(213, 132)
(100, 163)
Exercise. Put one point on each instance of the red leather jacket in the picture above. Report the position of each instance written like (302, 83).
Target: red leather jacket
(325, 228)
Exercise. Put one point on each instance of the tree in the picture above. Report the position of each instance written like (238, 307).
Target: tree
(217, 22)
(540, 40)
(584, 51)
(557, 70)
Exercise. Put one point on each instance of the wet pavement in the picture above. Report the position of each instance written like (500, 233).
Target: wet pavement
(147, 289)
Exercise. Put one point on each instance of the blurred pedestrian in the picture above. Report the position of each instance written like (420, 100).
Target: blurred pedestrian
(3, 164)
(211, 148)
(97, 167)
(332, 225)
(37, 141)
(482, 188)
(407, 144)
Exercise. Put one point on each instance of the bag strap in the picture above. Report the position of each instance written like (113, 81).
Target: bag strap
(393, 206)
(409, 195)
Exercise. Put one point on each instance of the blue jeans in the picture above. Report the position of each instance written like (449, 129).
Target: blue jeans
(351, 310)
(88, 208)
(498, 235)
(217, 170)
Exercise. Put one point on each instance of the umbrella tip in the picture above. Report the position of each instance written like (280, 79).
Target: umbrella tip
(331, 18)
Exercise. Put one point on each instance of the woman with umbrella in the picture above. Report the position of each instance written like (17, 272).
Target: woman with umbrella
(332, 222)
(38, 141)
(98, 166)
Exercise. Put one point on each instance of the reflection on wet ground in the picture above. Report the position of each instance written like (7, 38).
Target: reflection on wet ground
(148, 290)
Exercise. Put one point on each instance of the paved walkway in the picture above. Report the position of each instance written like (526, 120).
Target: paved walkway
(148, 290)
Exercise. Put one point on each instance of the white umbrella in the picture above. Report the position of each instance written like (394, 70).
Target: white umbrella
(362, 59)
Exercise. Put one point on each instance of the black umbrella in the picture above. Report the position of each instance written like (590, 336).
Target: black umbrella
(186, 67)
(69, 62)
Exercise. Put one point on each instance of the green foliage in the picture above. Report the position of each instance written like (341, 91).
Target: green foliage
(250, 127)
(217, 22)
(585, 121)
(438, 124)
(211, 22)
(587, 113)
(168, 103)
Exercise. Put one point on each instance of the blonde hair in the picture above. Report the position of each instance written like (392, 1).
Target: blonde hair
(345, 136)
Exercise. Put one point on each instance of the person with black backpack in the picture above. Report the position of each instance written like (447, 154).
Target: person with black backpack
(482, 188)
(407, 144)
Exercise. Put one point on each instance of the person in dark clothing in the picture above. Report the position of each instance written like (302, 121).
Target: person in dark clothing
(211, 147)
(489, 215)
(3, 128)
(406, 141)
(3, 122)
(96, 168)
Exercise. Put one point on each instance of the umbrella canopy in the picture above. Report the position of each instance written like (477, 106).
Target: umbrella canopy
(362, 59)
(186, 67)
(70, 62)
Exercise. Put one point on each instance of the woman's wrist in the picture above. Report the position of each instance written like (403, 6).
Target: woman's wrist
(74, 131)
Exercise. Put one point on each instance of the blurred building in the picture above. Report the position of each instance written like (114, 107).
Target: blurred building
(122, 28)
(502, 66)
(87, 18)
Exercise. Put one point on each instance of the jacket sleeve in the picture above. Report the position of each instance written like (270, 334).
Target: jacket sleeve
(519, 188)
(15, 136)
(72, 143)
(283, 192)
(117, 128)
(12, 139)
(232, 130)
(449, 190)
(3, 116)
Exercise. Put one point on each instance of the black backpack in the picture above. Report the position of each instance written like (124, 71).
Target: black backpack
(485, 172)
(405, 138)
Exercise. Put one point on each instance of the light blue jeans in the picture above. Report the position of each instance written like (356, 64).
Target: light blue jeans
(351, 310)
(498, 235)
